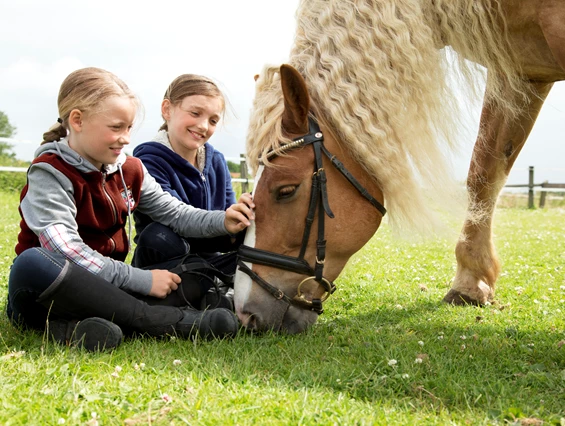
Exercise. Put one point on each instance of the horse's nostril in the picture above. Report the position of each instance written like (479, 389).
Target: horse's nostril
(247, 320)
(252, 325)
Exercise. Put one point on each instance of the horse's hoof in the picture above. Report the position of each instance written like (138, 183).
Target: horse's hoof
(455, 297)
(473, 296)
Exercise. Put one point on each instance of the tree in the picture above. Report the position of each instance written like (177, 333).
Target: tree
(6, 129)
(7, 156)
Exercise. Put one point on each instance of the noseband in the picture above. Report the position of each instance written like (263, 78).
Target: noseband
(319, 201)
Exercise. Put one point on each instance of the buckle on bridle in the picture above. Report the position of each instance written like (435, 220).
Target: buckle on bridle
(328, 287)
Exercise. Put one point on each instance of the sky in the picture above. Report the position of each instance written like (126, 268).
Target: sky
(148, 44)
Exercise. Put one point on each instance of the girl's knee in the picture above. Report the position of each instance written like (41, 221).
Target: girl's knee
(35, 268)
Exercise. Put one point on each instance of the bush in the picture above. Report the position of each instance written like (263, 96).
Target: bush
(234, 167)
(12, 181)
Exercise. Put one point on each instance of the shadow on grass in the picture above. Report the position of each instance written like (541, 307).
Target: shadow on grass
(470, 361)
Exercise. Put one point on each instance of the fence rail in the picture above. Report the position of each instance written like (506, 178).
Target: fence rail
(545, 188)
(244, 178)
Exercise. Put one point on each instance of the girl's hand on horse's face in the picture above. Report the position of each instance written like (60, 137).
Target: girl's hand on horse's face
(238, 215)
(246, 198)
(164, 282)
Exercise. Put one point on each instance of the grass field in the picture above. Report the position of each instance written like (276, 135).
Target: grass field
(385, 352)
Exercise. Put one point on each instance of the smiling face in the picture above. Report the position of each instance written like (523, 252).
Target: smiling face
(100, 137)
(191, 123)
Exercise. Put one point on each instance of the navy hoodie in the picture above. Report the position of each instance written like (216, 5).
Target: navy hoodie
(210, 189)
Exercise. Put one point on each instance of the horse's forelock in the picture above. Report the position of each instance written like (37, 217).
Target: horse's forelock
(265, 130)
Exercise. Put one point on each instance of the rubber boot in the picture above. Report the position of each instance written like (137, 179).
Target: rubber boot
(80, 294)
(92, 334)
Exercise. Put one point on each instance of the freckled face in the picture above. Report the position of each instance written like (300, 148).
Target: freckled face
(100, 137)
(192, 122)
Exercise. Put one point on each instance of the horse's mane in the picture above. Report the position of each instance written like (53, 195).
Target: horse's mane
(377, 78)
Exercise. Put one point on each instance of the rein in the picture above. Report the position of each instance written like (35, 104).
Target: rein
(319, 201)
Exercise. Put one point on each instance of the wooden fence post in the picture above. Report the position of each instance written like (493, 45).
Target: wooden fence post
(244, 175)
(531, 189)
(542, 195)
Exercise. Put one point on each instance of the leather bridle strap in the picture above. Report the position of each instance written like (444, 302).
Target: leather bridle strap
(347, 174)
(315, 305)
(280, 261)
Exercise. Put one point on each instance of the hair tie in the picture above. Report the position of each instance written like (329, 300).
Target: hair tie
(60, 120)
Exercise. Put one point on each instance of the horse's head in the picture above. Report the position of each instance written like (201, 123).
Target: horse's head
(315, 207)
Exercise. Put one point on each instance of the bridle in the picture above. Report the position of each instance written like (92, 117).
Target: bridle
(319, 201)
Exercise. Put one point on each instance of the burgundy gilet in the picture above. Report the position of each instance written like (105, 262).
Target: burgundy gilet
(101, 203)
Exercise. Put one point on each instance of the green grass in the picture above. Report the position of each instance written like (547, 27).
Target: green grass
(480, 366)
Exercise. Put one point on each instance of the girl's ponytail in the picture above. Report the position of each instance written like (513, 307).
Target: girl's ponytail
(55, 133)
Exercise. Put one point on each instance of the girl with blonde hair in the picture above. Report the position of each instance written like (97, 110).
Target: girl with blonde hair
(69, 274)
(187, 166)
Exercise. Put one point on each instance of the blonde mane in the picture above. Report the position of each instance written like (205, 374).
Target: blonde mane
(378, 79)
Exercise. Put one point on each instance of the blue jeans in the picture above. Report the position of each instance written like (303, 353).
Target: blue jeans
(156, 244)
(32, 272)
(159, 247)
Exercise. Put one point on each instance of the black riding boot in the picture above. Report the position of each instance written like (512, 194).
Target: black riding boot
(81, 294)
(92, 334)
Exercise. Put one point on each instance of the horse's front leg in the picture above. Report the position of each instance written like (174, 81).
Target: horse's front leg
(498, 144)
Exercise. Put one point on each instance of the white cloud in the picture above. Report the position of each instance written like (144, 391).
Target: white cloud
(29, 74)
(149, 44)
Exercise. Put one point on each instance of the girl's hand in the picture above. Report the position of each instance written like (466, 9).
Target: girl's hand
(238, 215)
(164, 282)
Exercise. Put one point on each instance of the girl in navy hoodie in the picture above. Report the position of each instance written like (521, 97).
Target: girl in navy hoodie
(69, 275)
(188, 168)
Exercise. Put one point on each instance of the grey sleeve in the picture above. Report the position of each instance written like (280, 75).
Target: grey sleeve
(49, 210)
(182, 218)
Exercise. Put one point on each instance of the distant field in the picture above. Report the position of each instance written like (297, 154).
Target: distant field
(386, 351)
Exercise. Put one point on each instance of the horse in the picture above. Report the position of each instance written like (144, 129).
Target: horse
(364, 115)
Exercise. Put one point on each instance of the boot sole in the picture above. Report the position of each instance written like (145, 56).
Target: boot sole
(97, 334)
(215, 323)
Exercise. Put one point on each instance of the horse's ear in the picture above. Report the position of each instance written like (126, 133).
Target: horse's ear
(256, 77)
(296, 101)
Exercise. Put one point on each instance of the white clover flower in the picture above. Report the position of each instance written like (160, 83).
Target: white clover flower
(167, 398)
(61, 421)
(421, 343)
(177, 362)
(405, 376)
(463, 337)
(115, 374)
(392, 362)
(118, 369)
(440, 337)
(418, 360)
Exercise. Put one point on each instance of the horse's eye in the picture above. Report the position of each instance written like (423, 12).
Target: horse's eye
(286, 192)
